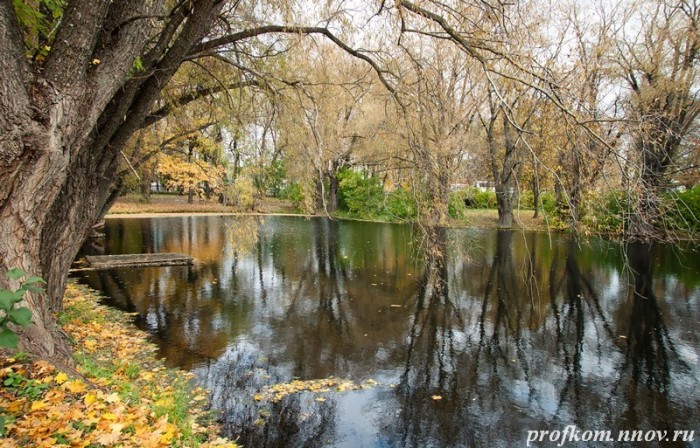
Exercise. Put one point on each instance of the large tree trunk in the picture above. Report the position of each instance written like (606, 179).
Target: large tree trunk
(505, 209)
(319, 199)
(333, 185)
(62, 128)
(440, 193)
(657, 148)
(503, 170)
(145, 186)
(22, 217)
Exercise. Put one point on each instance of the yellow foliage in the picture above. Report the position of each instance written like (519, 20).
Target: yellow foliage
(114, 409)
(179, 173)
(75, 387)
(277, 392)
(243, 192)
(61, 378)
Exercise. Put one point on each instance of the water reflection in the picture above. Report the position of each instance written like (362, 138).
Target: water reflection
(512, 332)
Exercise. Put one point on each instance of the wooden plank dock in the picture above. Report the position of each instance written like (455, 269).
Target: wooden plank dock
(137, 260)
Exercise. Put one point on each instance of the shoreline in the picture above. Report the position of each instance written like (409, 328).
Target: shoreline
(185, 214)
(171, 206)
(164, 205)
(125, 395)
(518, 224)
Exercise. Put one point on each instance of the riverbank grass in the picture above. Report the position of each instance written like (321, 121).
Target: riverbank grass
(126, 397)
(163, 205)
(169, 203)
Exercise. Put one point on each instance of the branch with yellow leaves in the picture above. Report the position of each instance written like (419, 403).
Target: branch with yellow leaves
(194, 95)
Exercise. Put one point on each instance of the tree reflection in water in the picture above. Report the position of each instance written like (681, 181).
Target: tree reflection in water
(505, 333)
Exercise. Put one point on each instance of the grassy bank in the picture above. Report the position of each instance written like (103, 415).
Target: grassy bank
(127, 398)
(164, 204)
(168, 203)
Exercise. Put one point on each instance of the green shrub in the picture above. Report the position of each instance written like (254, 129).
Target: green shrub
(271, 178)
(471, 198)
(526, 200)
(548, 203)
(21, 316)
(293, 193)
(685, 209)
(609, 213)
(401, 204)
(360, 194)
(456, 204)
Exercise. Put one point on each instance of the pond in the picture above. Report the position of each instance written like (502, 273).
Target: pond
(515, 332)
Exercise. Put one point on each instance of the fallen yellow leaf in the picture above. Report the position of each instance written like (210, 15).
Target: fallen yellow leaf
(43, 367)
(75, 386)
(112, 398)
(36, 405)
(61, 378)
(109, 438)
(14, 406)
(116, 427)
(89, 399)
(169, 434)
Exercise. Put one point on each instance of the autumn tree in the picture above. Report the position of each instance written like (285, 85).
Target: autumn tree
(543, 143)
(658, 61)
(74, 91)
(184, 151)
(581, 131)
(439, 111)
(329, 120)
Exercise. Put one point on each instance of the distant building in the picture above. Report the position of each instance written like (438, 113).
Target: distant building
(484, 185)
(481, 185)
(157, 187)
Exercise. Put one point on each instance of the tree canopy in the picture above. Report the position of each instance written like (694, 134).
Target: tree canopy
(591, 104)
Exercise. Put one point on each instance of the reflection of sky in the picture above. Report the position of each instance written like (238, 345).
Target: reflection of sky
(243, 321)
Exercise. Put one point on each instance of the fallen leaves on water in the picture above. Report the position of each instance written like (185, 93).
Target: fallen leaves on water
(127, 398)
(277, 392)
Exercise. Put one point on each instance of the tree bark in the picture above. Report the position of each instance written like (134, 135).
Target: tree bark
(65, 121)
(535, 199)
(503, 168)
(333, 185)
(62, 127)
(535, 187)
(440, 193)
(145, 185)
(320, 190)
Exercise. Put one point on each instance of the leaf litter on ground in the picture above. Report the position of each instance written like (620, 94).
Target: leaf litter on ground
(126, 398)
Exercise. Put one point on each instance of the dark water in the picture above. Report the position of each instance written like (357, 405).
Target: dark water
(517, 332)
